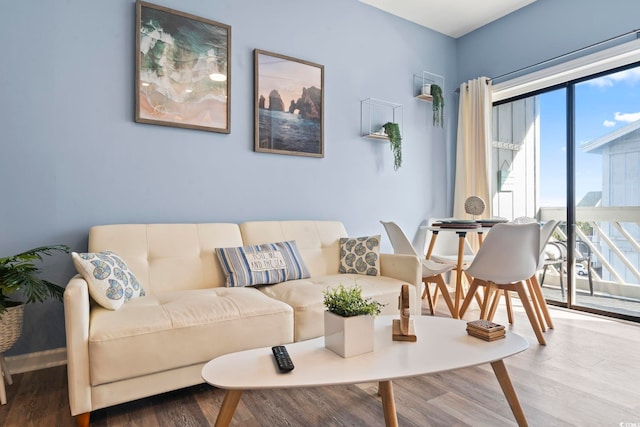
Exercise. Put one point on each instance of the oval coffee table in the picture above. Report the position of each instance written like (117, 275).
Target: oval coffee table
(442, 345)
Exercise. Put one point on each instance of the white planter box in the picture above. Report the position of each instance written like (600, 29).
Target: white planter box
(348, 336)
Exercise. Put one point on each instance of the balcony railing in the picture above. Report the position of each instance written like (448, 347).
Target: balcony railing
(610, 238)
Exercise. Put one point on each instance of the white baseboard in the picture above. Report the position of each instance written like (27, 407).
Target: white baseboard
(38, 360)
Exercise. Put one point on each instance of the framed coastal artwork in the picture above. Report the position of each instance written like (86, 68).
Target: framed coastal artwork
(183, 76)
(289, 105)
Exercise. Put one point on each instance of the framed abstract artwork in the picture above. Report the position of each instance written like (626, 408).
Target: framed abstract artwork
(289, 105)
(183, 76)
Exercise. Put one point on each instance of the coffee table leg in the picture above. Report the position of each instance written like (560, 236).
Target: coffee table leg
(228, 408)
(507, 388)
(385, 388)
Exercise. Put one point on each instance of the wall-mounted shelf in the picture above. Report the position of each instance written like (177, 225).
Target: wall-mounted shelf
(374, 113)
(422, 82)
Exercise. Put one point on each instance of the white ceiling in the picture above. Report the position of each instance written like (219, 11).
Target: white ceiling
(454, 18)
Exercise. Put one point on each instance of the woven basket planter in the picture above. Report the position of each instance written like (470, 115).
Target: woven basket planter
(10, 327)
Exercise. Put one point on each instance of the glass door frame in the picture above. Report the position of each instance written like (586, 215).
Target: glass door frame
(571, 222)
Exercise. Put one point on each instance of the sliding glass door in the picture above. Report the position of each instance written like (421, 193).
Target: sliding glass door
(607, 167)
(573, 152)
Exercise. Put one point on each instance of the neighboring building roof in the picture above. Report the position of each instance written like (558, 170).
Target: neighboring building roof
(591, 199)
(597, 144)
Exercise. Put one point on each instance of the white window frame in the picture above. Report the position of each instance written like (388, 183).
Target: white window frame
(608, 59)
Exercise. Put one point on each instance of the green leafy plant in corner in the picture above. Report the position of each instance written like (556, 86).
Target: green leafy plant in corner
(19, 274)
(395, 140)
(350, 302)
(438, 105)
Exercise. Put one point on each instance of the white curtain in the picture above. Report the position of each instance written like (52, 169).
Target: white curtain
(473, 157)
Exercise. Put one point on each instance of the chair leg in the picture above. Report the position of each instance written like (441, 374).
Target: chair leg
(445, 294)
(536, 306)
(435, 295)
(427, 293)
(476, 294)
(530, 314)
(507, 302)
(472, 290)
(494, 304)
(560, 270)
(537, 290)
(484, 312)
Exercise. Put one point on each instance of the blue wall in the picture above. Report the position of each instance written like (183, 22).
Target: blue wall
(541, 31)
(72, 156)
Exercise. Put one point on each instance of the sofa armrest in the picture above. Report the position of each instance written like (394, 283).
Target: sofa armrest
(76, 317)
(406, 268)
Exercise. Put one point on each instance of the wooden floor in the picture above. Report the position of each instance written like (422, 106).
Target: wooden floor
(587, 375)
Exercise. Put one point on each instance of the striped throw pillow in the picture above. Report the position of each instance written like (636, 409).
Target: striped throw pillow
(264, 264)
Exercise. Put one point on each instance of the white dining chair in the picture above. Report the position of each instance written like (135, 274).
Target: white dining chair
(545, 237)
(431, 271)
(535, 290)
(506, 260)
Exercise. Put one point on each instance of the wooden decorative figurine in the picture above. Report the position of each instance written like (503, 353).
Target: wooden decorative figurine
(403, 328)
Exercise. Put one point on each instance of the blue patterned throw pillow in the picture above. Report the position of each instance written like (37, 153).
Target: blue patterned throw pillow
(360, 255)
(264, 264)
(110, 281)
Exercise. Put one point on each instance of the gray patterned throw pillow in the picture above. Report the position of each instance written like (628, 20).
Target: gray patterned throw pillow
(360, 255)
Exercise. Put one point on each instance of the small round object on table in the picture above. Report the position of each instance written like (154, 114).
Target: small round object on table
(474, 205)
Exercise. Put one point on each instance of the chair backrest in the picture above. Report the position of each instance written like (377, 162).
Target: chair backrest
(509, 253)
(399, 240)
(546, 232)
(547, 247)
(446, 243)
(524, 220)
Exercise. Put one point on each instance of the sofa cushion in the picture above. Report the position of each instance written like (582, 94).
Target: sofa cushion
(177, 329)
(169, 257)
(316, 240)
(306, 297)
(360, 255)
(110, 281)
(264, 264)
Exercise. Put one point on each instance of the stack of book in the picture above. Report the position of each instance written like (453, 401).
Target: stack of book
(486, 330)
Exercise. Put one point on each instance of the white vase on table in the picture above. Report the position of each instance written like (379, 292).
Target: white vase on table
(348, 336)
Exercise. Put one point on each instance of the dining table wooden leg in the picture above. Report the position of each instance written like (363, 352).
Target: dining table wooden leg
(432, 243)
(459, 294)
(507, 388)
(228, 408)
(385, 389)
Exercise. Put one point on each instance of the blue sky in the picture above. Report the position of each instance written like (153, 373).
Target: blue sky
(602, 105)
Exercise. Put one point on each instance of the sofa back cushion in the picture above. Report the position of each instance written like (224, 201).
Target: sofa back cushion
(169, 257)
(318, 241)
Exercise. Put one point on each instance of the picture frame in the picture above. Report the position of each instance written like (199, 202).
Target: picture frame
(289, 105)
(183, 70)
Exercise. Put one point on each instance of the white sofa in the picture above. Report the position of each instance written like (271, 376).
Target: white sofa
(160, 342)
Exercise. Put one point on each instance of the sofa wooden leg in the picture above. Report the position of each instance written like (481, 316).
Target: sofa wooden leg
(82, 420)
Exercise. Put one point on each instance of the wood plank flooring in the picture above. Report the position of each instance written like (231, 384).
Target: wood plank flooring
(587, 375)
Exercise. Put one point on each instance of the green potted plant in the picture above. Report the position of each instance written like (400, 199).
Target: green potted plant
(19, 275)
(348, 321)
(438, 105)
(395, 140)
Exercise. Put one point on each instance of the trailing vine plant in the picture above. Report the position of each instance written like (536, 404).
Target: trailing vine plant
(438, 105)
(395, 141)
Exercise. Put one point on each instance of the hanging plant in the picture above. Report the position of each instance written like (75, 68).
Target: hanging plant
(438, 105)
(395, 140)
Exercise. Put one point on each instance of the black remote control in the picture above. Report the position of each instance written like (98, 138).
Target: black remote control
(282, 358)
